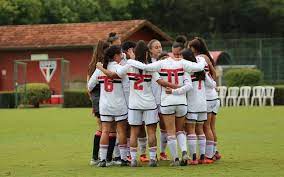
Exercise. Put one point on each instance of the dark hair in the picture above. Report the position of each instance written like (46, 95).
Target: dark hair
(142, 53)
(112, 37)
(163, 55)
(187, 54)
(109, 54)
(98, 56)
(199, 44)
(127, 45)
(180, 41)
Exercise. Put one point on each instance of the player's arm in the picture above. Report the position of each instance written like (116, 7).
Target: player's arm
(156, 77)
(189, 66)
(108, 73)
(209, 81)
(211, 67)
(156, 66)
(182, 90)
(93, 81)
(89, 93)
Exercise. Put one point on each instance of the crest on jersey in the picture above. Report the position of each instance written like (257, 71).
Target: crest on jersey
(47, 68)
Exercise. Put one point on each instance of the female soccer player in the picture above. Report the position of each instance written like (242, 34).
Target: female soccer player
(95, 96)
(199, 48)
(112, 103)
(155, 49)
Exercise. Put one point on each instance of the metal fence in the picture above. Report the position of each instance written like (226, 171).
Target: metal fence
(265, 53)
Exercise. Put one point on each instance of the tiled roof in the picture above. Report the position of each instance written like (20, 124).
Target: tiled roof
(68, 35)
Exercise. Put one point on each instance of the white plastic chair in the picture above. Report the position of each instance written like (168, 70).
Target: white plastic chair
(222, 92)
(233, 93)
(257, 94)
(268, 94)
(244, 95)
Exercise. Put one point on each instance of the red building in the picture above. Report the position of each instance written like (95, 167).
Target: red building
(73, 42)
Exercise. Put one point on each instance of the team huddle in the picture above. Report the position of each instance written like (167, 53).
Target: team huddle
(136, 86)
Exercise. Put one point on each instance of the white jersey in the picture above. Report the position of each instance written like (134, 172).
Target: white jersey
(125, 81)
(141, 95)
(196, 98)
(156, 88)
(112, 100)
(172, 71)
(210, 85)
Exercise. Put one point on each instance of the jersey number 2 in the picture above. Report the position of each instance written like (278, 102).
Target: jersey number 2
(139, 81)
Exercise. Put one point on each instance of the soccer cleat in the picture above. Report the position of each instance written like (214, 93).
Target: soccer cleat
(184, 159)
(163, 156)
(217, 156)
(209, 161)
(109, 163)
(124, 163)
(193, 162)
(116, 161)
(133, 163)
(94, 162)
(102, 163)
(153, 163)
(175, 163)
(143, 158)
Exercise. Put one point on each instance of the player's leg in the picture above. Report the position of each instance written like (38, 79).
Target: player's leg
(142, 143)
(209, 138)
(112, 142)
(163, 139)
(201, 138)
(96, 142)
(151, 119)
(214, 112)
(191, 137)
(121, 125)
(104, 141)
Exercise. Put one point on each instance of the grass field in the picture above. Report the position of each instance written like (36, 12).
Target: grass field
(57, 142)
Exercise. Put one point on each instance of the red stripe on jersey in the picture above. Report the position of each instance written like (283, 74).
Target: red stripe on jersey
(172, 70)
(139, 75)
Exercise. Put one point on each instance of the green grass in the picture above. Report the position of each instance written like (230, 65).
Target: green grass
(57, 142)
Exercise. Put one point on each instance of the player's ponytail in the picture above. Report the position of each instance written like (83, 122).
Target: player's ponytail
(112, 37)
(142, 53)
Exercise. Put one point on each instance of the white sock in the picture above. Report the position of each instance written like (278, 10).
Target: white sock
(192, 141)
(123, 151)
(181, 138)
(153, 152)
(133, 153)
(163, 141)
(116, 152)
(172, 143)
(201, 143)
(209, 152)
(142, 143)
(215, 147)
(128, 147)
(103, 151)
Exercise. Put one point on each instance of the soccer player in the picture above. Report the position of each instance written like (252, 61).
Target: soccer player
(155, 49)
(199, 48)
(112, 103)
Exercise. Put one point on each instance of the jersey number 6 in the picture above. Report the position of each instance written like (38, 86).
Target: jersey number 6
(108, 84)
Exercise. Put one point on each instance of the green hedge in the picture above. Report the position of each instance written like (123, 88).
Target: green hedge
(36, 93)
(243, 77)
(7, 99)
(279, 95)
(76, 98)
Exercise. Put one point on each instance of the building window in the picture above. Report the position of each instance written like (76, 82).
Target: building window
(39, 57)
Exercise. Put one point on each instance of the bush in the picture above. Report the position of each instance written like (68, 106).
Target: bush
(7, 99)
(76, 98)
(243, 77)
(36, 93)
(279, 95)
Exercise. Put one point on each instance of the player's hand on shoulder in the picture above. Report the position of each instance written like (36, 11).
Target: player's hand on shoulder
(169, 90)
(99, 65)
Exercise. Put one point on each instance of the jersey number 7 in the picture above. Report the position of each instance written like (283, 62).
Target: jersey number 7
(139, 81)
